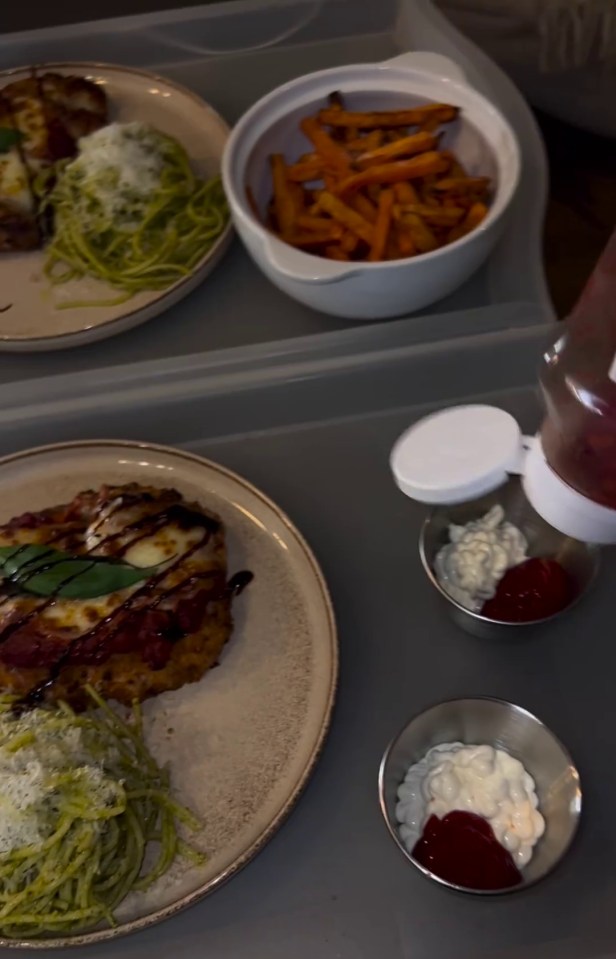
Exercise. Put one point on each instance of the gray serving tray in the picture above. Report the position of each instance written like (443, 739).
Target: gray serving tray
(316, 437)
(232, 53)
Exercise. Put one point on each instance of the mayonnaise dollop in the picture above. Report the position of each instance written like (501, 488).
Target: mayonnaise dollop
(478, 779)
(477, 557)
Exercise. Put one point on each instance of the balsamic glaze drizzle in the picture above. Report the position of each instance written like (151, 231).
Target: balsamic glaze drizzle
(238, 583)
(137, 603)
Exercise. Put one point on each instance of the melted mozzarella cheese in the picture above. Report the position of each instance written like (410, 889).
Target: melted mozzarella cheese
(14, 184)
(163, 547)
(167, 544)
(81, 615)
(31, 121)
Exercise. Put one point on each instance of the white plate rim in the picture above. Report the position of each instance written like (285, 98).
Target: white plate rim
(174, 292)
(190, 899)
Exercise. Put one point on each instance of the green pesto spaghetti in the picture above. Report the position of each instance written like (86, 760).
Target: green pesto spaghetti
(130, 211)
(81, 803)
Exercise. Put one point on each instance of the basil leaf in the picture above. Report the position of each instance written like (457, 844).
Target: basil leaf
(45, 571)
(8, 138)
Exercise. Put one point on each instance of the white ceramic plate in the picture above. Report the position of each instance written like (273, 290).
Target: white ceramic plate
(241, 743)
(29, 318)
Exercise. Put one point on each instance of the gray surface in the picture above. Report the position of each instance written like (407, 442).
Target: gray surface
(237, 306)
(137, 372)
(19, 16)
(332, 884)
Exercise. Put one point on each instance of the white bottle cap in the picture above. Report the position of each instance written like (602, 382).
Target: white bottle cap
(464, 452)
(458, 454)
(563, 507)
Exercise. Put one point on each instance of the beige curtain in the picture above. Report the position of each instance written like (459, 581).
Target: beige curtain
(561, 53)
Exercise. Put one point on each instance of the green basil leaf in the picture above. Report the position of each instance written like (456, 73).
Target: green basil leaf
(45, 571)
(8, 138)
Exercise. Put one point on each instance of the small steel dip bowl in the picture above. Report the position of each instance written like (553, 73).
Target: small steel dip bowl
(580, 560)
(502, 725)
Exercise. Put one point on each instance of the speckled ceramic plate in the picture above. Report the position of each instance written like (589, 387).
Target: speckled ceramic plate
(29, 316)
(242, 743)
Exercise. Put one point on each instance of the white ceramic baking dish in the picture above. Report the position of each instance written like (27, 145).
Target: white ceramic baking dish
(481, 137)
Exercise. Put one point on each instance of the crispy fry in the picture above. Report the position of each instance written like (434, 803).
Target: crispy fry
(435, 215)
(405, 241)
(465, 184)
(374, 186)
(335, 253)
(456, 169)
(334, 156)
(335, 100)
(393, 172)
(387, 118)
(392, 250)
(337, 103)
(364, 206)
(382, 226)
(395, 134)
(450, 199)
(426, 191)
(407, 146)
(430, 124)
(423, 237)
(370, 141)
(309, 239)
(473, 218)
(284, 204)
(345, 215)
(319, 224)
(298, 198)
(306, 170)
(405, 193)
(349, 242)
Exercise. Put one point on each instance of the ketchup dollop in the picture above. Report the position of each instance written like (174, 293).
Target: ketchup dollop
(534, 589)
(462, 849)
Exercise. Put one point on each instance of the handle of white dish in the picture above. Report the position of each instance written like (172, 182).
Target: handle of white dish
(431, 62)
(295, 265)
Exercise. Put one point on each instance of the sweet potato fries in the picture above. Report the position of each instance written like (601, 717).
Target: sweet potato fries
(374, 186)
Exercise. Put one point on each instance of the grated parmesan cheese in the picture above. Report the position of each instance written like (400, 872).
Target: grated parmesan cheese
(121, 164)
(33, 754)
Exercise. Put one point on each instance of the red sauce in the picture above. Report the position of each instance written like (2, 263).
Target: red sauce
(579, 433)
(535, 589)
(462, 849)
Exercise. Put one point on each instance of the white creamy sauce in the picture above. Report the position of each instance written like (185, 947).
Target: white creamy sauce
(477, 557)
(477, 779)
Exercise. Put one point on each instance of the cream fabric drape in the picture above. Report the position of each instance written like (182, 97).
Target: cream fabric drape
(561, 53)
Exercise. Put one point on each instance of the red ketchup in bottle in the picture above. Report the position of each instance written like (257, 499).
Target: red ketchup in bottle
(571, 477)
(535, 589)
(462, 849)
